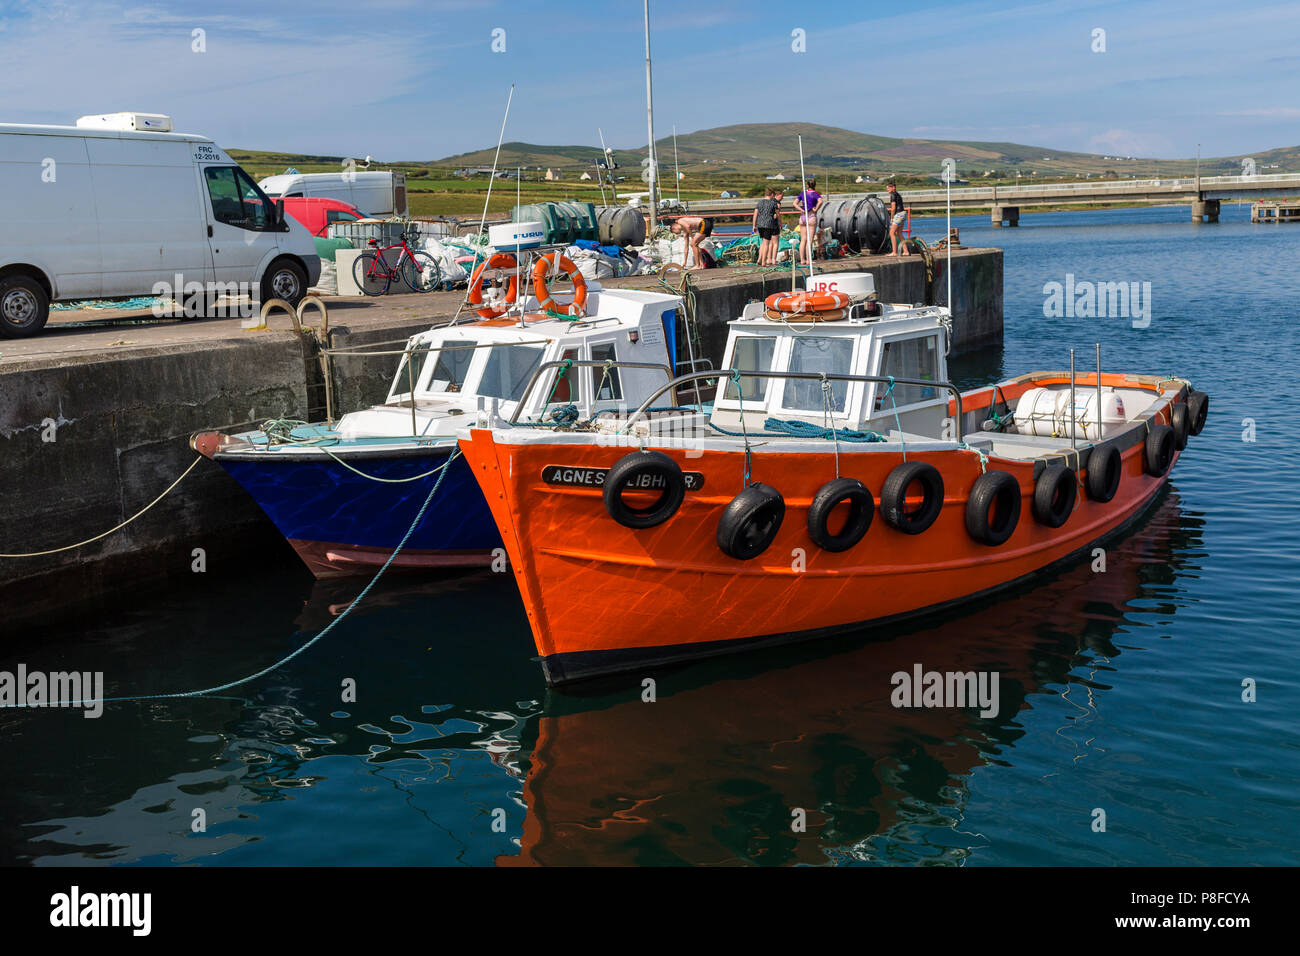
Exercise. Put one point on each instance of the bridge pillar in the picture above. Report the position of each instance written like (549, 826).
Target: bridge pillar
(1205, 210)
(1008, 214)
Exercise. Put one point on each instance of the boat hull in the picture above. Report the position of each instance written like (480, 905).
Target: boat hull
(342, 523)
(602, 598)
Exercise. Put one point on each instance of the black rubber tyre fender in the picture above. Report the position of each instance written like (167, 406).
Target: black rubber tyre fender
(993, 488)
(1158, 454)
(862, 508)
(1055, 492)
(650, 469)
(1181, 420)
(1198, 406)
(893, 497)
(750, 521)
(1105, 468)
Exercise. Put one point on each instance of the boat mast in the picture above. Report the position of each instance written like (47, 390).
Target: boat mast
(650, 123)
(812, 224)
(677, 169)
(609, 165)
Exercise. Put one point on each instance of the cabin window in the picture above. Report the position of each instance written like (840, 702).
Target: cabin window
(452, 365)
(236, 200)
(509, 369)
(565, 388)
(909, 358)
(818, 354)
(338, 215)
(607, 385)
(752, 353)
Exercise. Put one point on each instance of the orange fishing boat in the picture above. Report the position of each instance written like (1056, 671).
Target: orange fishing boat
(836, 479)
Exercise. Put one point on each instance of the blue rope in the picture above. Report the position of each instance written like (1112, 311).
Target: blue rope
(329, 627)
(897, 421)
(800, 429)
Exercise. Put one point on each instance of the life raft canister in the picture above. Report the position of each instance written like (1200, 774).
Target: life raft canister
(796, 303)
(500, 260)
(542, 271)
(993, 508)
(750, 522)
(644, 471)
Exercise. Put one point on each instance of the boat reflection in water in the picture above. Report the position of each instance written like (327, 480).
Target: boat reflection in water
(711, 774)
(452, 723)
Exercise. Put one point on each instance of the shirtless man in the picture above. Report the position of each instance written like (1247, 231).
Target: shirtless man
(694, 229)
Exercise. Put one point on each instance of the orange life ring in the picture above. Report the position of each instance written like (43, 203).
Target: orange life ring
(797, 302)
(500, 260)
(542, 271)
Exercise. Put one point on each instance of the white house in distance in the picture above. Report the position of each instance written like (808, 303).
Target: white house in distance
(780, 176)
(585, 176)
(553, 176)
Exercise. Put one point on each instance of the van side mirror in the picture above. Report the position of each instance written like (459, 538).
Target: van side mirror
(279, 216)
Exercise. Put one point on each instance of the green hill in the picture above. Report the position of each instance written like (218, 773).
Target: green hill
(754, 147)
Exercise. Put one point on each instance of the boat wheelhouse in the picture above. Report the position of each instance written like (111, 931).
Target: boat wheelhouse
(344, 494)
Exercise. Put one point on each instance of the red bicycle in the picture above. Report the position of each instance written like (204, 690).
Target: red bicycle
(418, 270)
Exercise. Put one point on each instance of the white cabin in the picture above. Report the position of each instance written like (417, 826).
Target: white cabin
(903, 342)
(487, 365)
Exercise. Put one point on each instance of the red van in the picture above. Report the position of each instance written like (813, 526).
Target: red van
(317, 213)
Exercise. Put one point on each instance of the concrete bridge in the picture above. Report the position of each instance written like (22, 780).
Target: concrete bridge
(1203, 193)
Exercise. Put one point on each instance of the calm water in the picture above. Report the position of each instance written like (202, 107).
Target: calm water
(1120, 691)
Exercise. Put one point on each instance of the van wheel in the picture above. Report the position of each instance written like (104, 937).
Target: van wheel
(285, 280)
(24, 307)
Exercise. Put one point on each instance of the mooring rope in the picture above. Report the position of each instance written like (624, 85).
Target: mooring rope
(287, 658)
(70, 547)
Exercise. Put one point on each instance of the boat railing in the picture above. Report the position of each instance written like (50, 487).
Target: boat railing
(584, 363)
(691, 377)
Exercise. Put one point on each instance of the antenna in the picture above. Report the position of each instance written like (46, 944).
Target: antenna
(488, 198)
(949, 168)
(610, 165)
(650, 123)
(806, 214)
(677, 169)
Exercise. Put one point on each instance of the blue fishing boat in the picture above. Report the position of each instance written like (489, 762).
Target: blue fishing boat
(344, 494)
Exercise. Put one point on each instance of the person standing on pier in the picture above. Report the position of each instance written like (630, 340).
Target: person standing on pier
(808, 202)
(768, 227)
(896, 220)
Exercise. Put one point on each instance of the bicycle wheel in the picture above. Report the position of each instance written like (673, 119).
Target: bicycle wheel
(420, 272)
(371, 274)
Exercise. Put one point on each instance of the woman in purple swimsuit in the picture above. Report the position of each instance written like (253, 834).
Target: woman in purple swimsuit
(808, 202)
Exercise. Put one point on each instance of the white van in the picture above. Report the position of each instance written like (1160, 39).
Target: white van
(104, 209)
(374, 193)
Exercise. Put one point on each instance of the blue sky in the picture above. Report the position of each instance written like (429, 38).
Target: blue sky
(417, 79)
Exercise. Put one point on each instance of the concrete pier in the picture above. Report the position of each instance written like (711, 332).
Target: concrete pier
(95, 417)
(1205, 210)
(1005, 214)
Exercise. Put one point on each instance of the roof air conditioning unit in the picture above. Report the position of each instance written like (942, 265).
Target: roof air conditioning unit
(151, 122)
